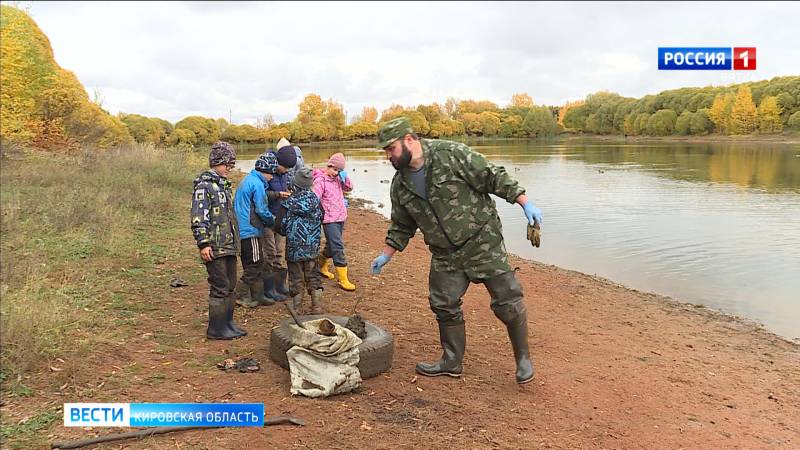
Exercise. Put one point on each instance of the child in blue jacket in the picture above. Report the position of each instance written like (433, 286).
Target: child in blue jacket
(253, 215)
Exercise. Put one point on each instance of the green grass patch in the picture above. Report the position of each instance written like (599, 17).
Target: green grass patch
(30, 433)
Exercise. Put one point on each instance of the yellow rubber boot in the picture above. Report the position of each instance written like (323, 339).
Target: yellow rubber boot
(344, 283)
(324, 267)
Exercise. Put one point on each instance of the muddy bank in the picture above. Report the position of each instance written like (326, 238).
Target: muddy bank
(615, 368)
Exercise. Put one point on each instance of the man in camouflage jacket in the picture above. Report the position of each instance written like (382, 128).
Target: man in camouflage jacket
(215, 230)
(442, 188)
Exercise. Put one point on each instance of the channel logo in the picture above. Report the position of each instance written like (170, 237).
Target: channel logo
(706, 58)
(163, 414)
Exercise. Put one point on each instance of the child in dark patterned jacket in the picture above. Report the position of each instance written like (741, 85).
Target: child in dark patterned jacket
(300, 220)
(215, 230)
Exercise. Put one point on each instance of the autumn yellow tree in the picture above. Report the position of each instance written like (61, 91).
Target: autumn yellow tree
(490, 123)
(312, 109)
(720, 112)
(521, 100)
(41, 103)
(369, 114)
(334, 118)
(472, 123)
(392, 112)
(769, 115)
(744, 116)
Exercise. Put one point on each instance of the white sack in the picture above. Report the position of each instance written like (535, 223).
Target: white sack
(320, 365)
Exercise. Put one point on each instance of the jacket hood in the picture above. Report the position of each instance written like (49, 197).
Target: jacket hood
(321, 173)
(209, 176)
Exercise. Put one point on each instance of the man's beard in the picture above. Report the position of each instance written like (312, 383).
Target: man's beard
(404, 160)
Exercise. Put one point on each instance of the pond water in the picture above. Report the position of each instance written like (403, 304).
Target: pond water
(716, 224)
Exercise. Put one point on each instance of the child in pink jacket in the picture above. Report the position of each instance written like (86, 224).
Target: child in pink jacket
(330, 184)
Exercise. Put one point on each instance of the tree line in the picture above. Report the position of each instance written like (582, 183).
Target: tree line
(764, 107)
(324, 120)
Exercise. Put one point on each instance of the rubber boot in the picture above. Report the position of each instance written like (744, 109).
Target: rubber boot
(218, 320)
(509, 307)
(297, 304)
(343, 282)
(453, 339)
(230, 305)
(245, 296)
(257, 294)
(280, 282)
(325, 267)
(316, 302)
(269, 288)
(518, 335)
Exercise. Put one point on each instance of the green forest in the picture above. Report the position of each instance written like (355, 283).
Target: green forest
(46, 106)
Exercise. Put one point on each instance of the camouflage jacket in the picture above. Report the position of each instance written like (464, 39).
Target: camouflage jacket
(458, 220)
(213, 218)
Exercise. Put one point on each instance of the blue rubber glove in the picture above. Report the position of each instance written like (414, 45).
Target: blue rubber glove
(532, 213)
(343, 176)
(379, 262)
(346, 203)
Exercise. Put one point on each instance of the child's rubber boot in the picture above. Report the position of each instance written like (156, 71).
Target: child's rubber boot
(325, 267)
(269, 288)
(280, 282)
(316, 302)
(344, 283)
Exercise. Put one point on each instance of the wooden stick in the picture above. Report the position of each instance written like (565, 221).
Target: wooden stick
(294, 315)
(280, 420)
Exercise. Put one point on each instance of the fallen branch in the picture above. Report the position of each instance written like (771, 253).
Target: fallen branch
(280, 420)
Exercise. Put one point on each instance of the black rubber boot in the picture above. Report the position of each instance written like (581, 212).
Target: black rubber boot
(509, 307)
(218, 320)
(257, 294)
(280, 282)
(269, 288)
(229, 307)
(518, 334)
(453, 339)
(245, 295)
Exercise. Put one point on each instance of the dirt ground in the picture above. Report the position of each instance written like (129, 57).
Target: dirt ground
(615, 368)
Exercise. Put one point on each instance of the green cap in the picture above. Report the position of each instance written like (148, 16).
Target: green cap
(392, 131)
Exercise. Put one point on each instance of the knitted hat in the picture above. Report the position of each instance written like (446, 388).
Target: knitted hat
(304, 178)
(221, 153)
(282, 143)
(267, 163)
(336, 160)
(287, 156)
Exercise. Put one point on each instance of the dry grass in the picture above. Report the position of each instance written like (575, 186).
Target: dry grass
(75, 230)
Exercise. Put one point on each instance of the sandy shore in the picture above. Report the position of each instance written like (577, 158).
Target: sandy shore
(615, 368)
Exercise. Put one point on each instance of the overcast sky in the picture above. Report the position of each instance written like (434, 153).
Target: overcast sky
(171, 60)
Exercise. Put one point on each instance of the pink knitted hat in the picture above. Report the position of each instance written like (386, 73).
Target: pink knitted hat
(337, 160)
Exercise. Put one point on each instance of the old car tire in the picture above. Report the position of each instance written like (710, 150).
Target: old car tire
(375, 352)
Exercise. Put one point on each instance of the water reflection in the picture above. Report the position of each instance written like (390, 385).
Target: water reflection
(717, 224)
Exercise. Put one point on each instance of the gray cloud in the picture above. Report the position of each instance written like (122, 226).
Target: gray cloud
(175, 59)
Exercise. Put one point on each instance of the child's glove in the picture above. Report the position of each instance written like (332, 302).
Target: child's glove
(343, 176)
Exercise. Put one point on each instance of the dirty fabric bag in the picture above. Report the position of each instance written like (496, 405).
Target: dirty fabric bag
(319, 365)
